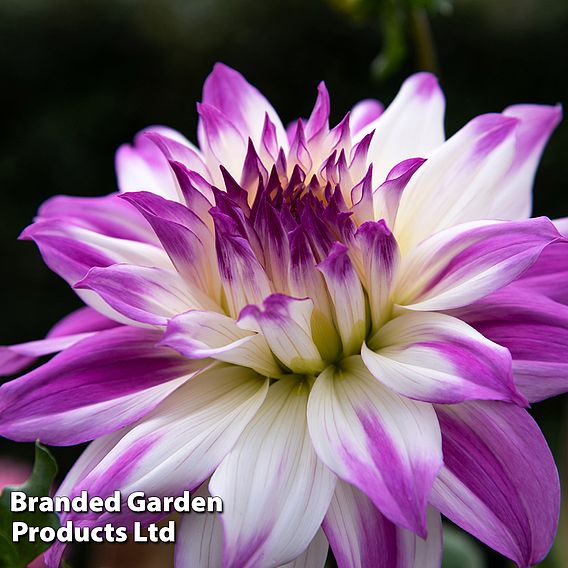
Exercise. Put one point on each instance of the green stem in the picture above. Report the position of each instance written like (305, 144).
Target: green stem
(423, 40)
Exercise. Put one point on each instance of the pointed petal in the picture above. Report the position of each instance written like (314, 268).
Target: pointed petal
(143, 167)
(71, 251)
(362, 114)
(381, 257)
(198, 334)
(499, 480)
(244, 279)
(360, 536)
(386, 445)
(221, 142)
(177, 151)
(318, 123)
(229, 92)
(387, 196)
(187, 241)
(459, 182)
(285, 323)
(437, 358)
(410, 127)
(537, 123)
(347, 296)
(96, 386)
(274, 489)
(457, 266)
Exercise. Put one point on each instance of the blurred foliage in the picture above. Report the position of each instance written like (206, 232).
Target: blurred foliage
(398, 21)
(461, 550)
(20, 554)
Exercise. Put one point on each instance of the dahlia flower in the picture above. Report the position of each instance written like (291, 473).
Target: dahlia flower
(336, 330)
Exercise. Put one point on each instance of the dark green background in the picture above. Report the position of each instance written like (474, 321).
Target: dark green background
(78, 78)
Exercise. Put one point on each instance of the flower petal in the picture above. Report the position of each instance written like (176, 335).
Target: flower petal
(535, 331)
(96, 386)
(459, 182)
(361, 537)
(197, 334)
(244, 279)
(438, 358)
(347, 296)
(362, 114)
(221, 142)
(185, 237)
(107, 215)
(410, 127)
(274, 488)
(72, 328)
(549, 274)
(536, 123)
(229, 92)
(286, 325)
(172, 449)
(147, 295)
(464, 263)
(381, 257)
(499, 480)
(314, 556)
(143, 167)
(199, 539)
(386, 445)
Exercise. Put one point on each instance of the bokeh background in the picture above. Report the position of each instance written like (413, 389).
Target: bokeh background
(77, 79)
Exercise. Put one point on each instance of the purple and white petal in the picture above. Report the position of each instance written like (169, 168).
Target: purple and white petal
(549, 274)
(534, 329)
(410, 127)
(177, 150)
(360, 536)
(380, 260)
(143, 166)
(386, 445)
(94, 387)
(499, 481)
(221, 142)
(459, 182)
(197, 334)
(460, 265)
(229, 92)
(285, 323)
(179, 444)
(536, 124)
(362, 114)
(386, 197)
(72, 328)
(437, 358)
(147, 295)
(347, 296)
(274, 488)
(107, 215)
(244, 279)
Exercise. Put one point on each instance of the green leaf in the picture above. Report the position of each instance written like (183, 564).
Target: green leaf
(20, 554)
(460, 550)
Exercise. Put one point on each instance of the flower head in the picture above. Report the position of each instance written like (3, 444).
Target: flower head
(309, 323)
